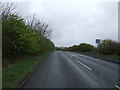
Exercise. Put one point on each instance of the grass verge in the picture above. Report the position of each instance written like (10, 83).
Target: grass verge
(113, 56)
(13, 75)
(106, 55)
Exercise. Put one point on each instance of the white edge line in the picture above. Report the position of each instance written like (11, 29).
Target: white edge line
(117, 86)
(84, 65)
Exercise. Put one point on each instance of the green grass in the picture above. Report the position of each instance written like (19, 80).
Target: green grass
(94, 53)
(14, 74)
(113, 56)
(107, 55)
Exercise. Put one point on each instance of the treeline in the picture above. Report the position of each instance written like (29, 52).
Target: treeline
(109, 47)
(105, 47)
(83, 47)
(21, 36)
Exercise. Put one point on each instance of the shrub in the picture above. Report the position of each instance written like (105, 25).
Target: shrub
(108, 47)
(19, 39)
(83, 47)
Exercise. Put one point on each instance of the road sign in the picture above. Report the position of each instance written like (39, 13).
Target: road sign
(98, 41)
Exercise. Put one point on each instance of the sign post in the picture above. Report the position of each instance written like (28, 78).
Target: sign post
(98, 41)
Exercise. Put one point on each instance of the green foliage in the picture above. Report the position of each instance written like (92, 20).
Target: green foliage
(83, 47)
(118, 49)
(14, 74)
(109, 47)
(106, 47)
(19, 39)
(86, 47)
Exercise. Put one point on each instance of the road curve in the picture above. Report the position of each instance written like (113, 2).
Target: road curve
(72, 70)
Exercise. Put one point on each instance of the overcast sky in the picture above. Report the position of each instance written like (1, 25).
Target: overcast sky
(75, 22)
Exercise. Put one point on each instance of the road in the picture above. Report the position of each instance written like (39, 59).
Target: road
(72, 70)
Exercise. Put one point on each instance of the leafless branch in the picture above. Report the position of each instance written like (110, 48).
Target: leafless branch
(7, 9)
(39, 26)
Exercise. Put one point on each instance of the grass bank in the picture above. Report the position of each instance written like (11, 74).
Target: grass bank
(15, 74)
(105, 55)
(108, 57)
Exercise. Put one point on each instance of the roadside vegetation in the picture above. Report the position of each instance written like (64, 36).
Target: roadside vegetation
(16, 73)
(83, 47)
(108, 48)
(24, 43)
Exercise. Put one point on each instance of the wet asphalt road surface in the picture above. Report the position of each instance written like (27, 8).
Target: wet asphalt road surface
(72, 70)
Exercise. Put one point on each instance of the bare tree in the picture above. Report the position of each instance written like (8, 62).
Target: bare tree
(7, 9)
(31, 21)
(36, 25)
(39, 26)
(46, 30)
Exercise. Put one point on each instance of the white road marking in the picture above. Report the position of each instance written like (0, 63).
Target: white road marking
(117, 86)
(84, 65)
(100, 75)
(73, 55)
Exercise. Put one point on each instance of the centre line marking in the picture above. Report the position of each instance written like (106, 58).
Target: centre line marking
(73, 55)
(117, 86)
(84, 65)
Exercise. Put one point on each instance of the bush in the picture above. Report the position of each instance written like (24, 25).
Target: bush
(83, 47)
(118, 49)
(19, 39)
(108, 47)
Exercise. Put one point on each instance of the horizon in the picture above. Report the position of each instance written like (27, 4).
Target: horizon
(75, 22)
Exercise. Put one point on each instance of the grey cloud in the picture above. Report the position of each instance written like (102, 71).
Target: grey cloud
(74, 23)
